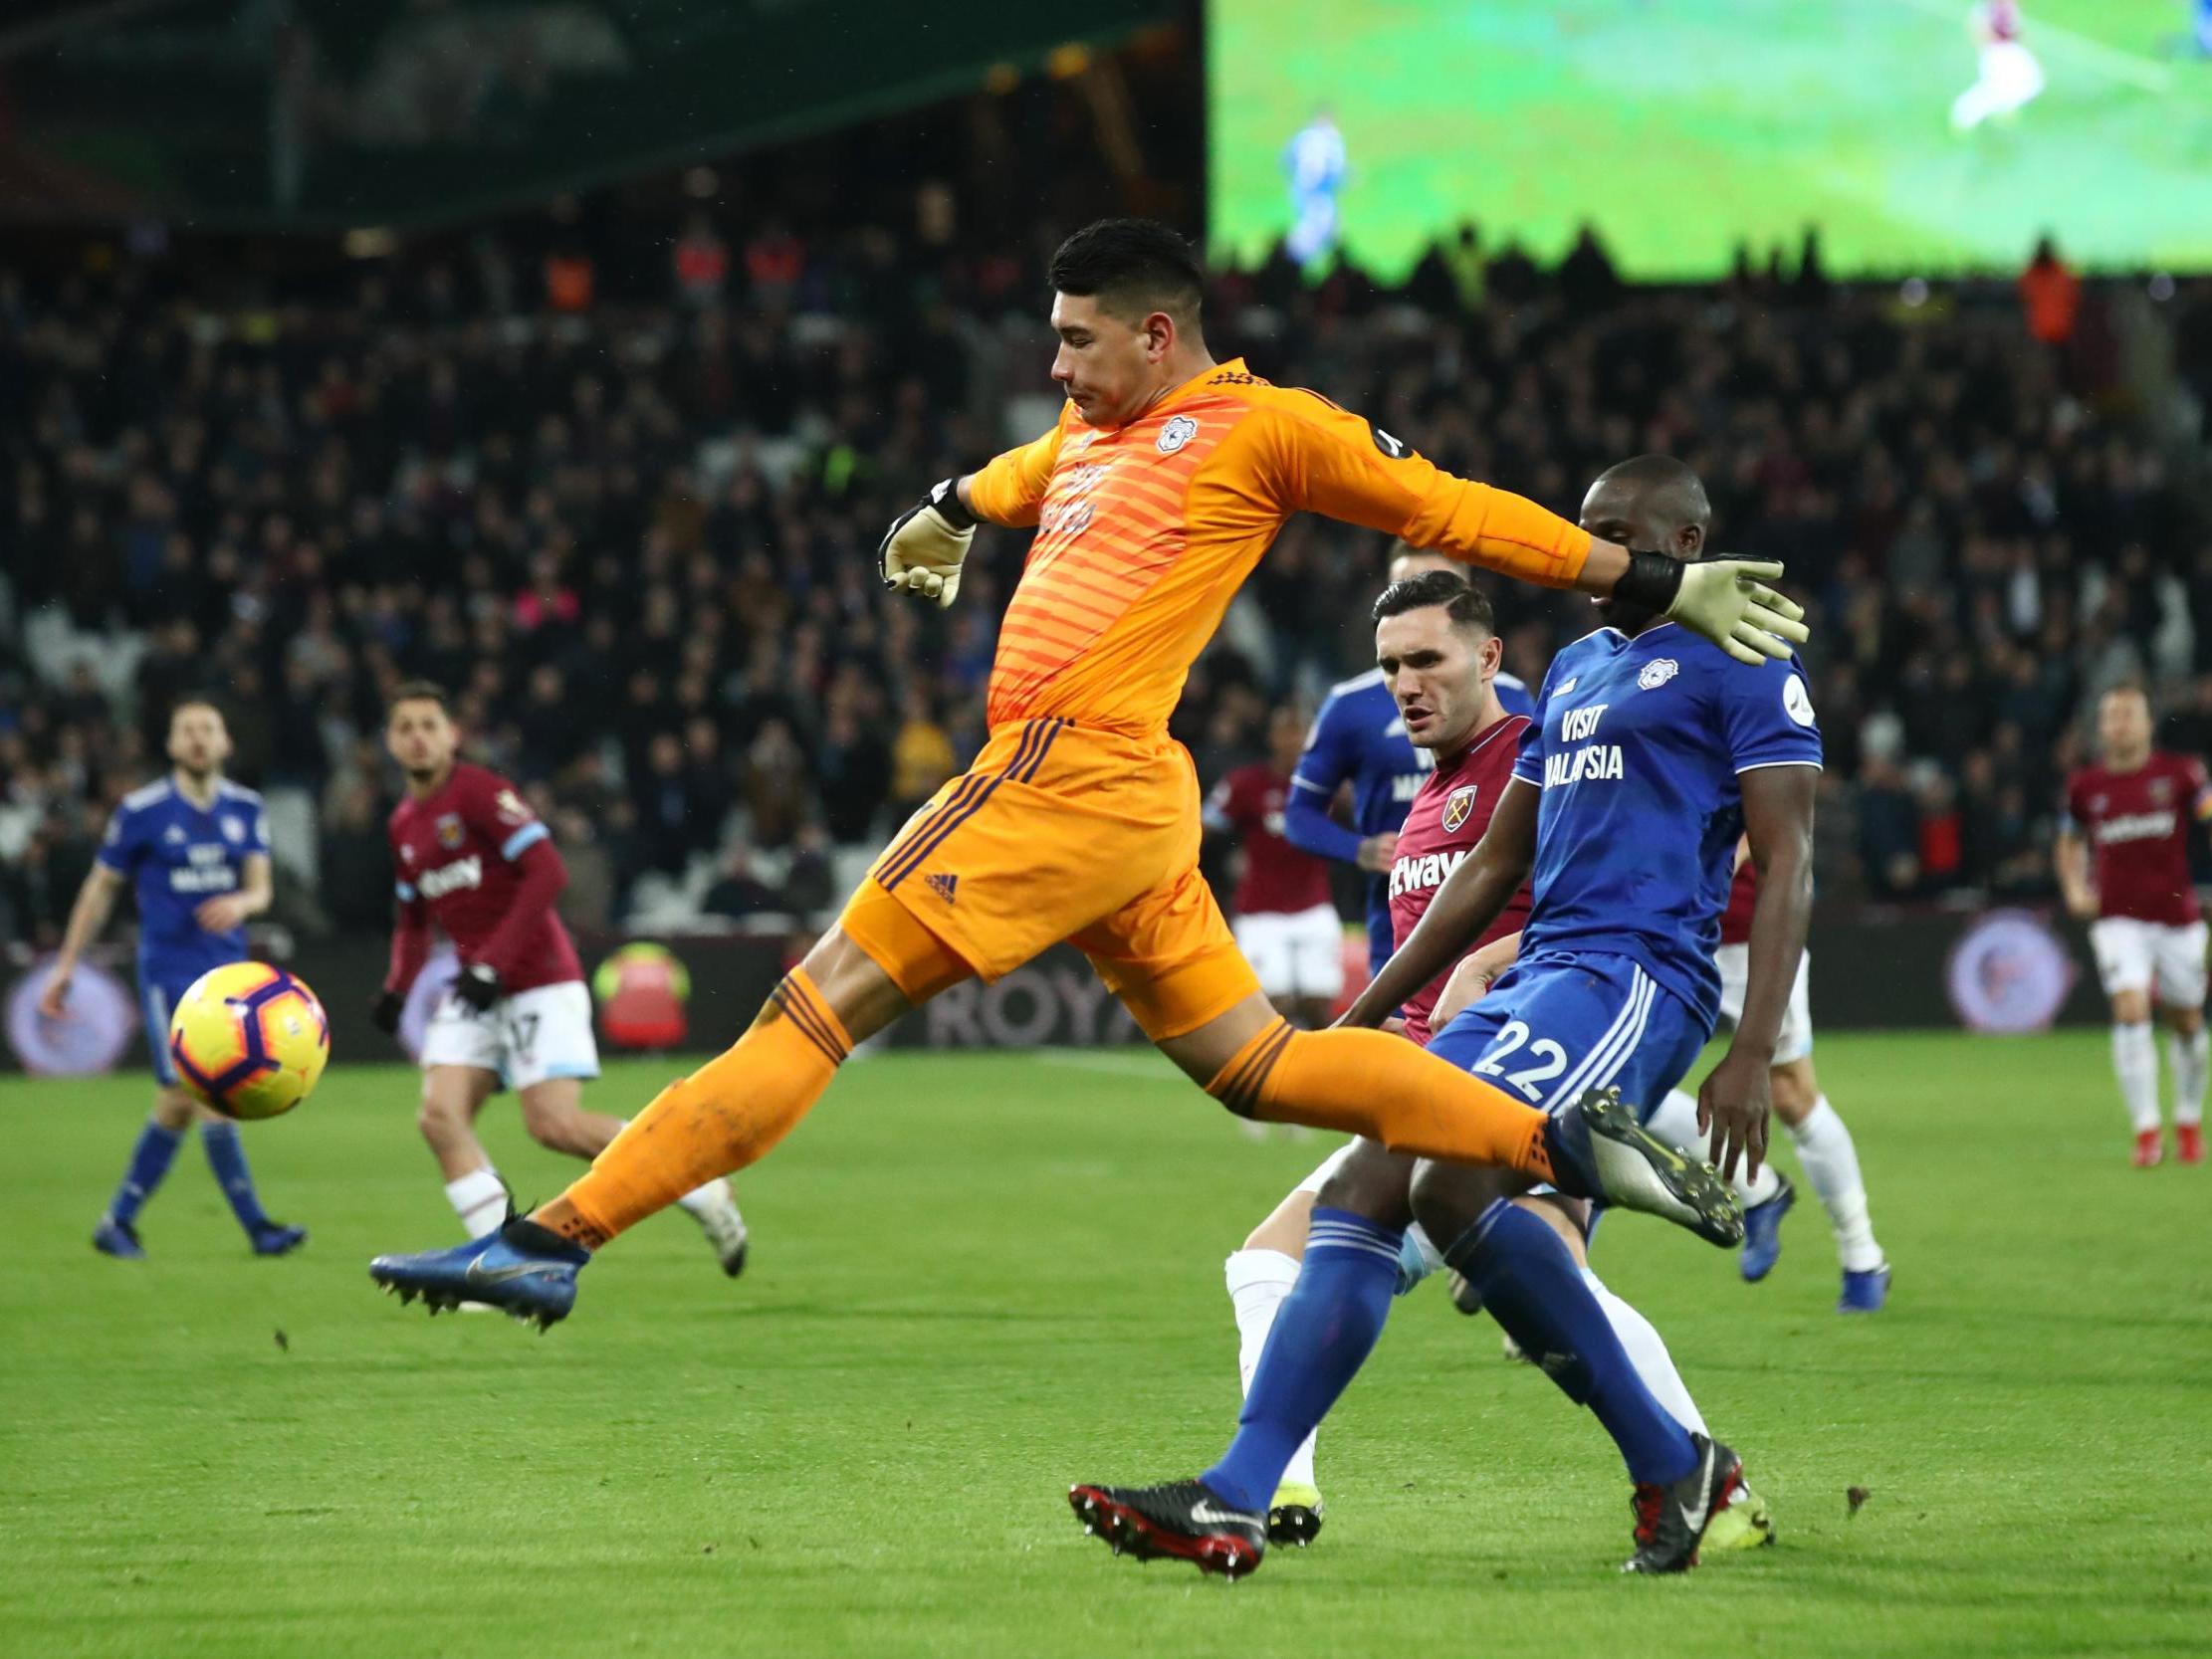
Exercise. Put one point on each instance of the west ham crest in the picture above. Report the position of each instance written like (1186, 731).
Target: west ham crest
(450, 832)
(1458, 806)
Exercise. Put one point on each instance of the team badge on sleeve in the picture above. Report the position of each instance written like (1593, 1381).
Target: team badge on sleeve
(1797, 702)
(1458, 807)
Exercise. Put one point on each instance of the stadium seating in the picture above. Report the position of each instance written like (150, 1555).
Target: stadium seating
(299, 499)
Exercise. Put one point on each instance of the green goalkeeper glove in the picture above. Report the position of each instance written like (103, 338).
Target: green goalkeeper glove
(1726, 599)
(925, 545)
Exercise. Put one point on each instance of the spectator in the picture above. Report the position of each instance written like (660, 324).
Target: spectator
(1889, 831)
(737, 893)
(354, 870)
(2051, 296)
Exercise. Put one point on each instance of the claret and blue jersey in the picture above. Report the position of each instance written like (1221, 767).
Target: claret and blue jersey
(1638, 747)
(176, 856)
(1360, 738)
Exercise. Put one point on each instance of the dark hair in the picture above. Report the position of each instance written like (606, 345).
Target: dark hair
(419, 690)
(1464, 603)
(1132, 267)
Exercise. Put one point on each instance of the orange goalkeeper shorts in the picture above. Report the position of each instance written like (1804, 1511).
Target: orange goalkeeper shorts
(1062, 832)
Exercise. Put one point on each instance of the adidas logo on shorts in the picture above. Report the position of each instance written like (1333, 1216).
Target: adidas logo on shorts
(942, 885)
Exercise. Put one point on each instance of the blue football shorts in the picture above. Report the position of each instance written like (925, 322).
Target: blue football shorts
(1560, 1023)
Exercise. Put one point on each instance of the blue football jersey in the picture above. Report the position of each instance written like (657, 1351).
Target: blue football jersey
(1638, 744)
(1358, 738)
(176, 856)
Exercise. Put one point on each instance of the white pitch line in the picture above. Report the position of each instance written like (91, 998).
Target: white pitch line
(2138, 71)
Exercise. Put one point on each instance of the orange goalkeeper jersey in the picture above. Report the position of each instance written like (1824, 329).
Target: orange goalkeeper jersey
(1146, 531)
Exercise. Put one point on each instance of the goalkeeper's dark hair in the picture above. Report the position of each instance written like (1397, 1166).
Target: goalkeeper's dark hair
(1464, 603)
(1133, 267)
(419, 690)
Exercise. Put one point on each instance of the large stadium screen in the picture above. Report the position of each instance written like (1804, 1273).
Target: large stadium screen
(1918, 135)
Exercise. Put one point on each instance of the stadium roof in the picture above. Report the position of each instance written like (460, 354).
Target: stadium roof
(325, 114)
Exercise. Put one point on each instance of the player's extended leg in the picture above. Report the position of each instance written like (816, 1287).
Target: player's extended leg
(1831, 1160)
(1379, 1086)
(227, 1159)
(2189, 1050)
(554, 1114)
(117, 1233)
(727, 1114)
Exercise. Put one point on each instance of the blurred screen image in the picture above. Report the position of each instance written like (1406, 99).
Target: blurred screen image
(1919, 135)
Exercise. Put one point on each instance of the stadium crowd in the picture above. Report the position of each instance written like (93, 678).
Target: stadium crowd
(628, 512)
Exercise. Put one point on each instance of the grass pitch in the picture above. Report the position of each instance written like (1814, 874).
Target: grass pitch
(977, 1278)
(1682, 127)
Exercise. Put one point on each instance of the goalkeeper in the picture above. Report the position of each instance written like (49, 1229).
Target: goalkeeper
(1154, 495)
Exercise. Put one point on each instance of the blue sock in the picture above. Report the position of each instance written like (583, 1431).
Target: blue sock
(1532, 1287)
(1323, 1333)
(228, 1160)
(150, 1161)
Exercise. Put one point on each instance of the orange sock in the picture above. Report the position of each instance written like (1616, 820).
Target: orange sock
(1380, 1085)
(725, 1115)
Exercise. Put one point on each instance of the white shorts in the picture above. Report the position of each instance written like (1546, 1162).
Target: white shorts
(2132, 955)
(1795, 1040)
(1295, 953)
(525, 1038)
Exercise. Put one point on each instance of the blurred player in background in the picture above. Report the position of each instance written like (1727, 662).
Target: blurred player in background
(2123, 866)
(1286, 924)
(474, 858)
(2010, 79)
(1823, 1141)
(1166, 477)
(194, 848)
(1360, 739)
(1314, 163)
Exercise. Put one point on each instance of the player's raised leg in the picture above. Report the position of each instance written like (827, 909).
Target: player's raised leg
(554, 1114)
(1377, 1085)
(725, 1115)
